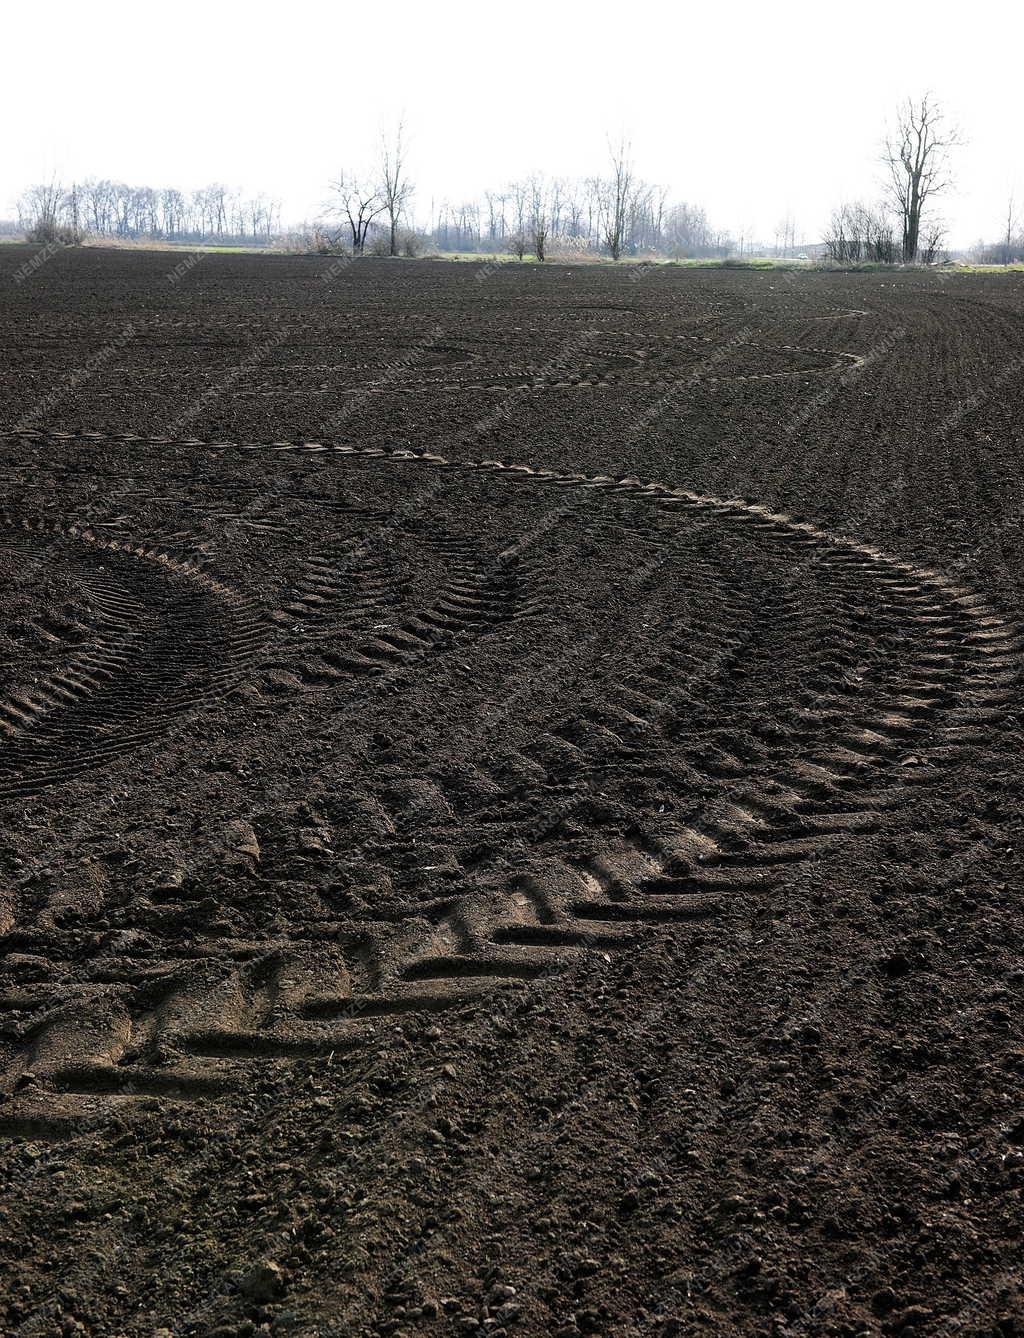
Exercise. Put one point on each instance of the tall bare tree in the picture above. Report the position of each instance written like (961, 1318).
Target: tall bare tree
(1011, 224)
(519, 196)
(539, 221)
(917, 158)
(495, 215)
(395, 187)
(619, 192)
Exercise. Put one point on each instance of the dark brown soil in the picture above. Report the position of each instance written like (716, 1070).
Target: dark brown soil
(511, 800)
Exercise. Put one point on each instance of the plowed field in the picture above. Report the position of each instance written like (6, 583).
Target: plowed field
(510, 800)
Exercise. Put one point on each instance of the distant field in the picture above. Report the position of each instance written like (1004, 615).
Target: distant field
(504, 258)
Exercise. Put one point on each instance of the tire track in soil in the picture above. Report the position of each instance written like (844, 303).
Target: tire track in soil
(188, 1029)
(355, 616)
(171, 638)
(648, 368)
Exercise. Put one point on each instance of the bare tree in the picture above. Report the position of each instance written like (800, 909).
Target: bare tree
(519, 197)
(172, 212)
(1011, 225)
(688, 233)
(573, 225)
(619, 195)
(932, 237)
(49, 213)
(99, 196)
(495, 215)
(359, 204)
(858, 233)
(645, 218)
(556, 206)
(594, 192)
(395, 187)
(917, 159)
(539, 223)
(40, 206)
(785, 235)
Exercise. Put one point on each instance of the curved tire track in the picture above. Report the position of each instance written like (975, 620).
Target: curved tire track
(171, 638)
(844, 768)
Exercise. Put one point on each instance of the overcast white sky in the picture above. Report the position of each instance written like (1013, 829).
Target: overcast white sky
(747, 109)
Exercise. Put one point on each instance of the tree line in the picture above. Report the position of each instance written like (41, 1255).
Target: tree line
(55, 212)
(539, 217)
(616, 214)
